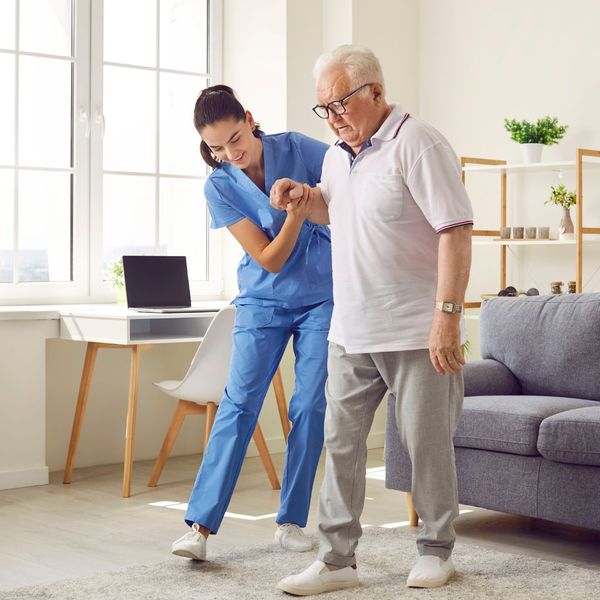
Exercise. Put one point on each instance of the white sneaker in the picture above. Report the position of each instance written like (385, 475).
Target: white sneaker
(317, 579)
(191, 545)
(291, 537)
(430, 572)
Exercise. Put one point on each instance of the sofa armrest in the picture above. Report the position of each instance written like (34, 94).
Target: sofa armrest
(489, 377)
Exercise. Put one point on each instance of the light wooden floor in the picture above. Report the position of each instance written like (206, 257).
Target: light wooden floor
(59, 531)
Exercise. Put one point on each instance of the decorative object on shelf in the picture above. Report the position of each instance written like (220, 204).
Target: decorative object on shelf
(505, 233)
(511, 292)
(543, 233)
(556, 287)
(534, 136)
(530, 233)
(560, 196)
(517, 233)
(116, 277)
(572, 287)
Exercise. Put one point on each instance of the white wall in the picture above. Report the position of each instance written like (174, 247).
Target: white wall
(481, 61)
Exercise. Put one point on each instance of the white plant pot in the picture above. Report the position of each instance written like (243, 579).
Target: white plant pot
(532, 153)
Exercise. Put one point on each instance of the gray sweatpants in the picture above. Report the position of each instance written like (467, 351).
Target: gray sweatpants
(428, 406)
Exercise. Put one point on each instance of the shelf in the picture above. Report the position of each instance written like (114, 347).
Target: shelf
(568, 165)
(524, 242)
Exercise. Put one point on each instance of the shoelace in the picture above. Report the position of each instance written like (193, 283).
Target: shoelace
(293, 529)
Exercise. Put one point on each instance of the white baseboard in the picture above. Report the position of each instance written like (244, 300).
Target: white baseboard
(276, 445)
(23, 478)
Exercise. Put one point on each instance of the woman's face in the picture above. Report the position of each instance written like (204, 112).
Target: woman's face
(232, 141)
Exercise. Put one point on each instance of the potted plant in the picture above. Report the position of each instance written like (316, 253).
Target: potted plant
(116, 277)
(561, 196)
(534, 136)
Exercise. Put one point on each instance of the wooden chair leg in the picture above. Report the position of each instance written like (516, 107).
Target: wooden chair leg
(413, 517)
(170, 437)
(211, 411)
(131, 417)
(261, 445)
(84, 388)
(281, 403)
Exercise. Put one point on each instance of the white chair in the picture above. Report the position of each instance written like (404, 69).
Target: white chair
(200, 392)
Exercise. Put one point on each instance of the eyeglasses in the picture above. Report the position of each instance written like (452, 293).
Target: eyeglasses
(337, 107)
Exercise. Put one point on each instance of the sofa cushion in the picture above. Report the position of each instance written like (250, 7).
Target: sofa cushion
(550, 343)
(509, 423)
(572, 437)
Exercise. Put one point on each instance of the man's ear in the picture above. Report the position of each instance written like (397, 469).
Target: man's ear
(377, 90)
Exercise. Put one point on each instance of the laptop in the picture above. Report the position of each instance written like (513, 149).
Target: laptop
(159, 284)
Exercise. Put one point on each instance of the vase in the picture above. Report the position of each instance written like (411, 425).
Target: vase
(532, 153)
(566, 229)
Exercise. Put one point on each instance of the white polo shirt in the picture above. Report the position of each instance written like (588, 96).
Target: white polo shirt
(386, 208)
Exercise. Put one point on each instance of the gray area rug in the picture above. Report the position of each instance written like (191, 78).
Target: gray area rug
(384, 558)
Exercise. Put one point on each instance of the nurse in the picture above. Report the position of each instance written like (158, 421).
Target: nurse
(285, 288)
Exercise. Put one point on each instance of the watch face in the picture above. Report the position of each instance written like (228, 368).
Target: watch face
(447, 306)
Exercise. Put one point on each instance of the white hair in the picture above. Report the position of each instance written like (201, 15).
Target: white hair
(361, 65)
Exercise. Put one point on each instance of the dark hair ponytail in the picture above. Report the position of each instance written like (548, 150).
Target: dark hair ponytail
(214, 104)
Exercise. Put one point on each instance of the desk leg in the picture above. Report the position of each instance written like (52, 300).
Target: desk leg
(281, 403)
(413, 517)
(84, 388)
(131, 416)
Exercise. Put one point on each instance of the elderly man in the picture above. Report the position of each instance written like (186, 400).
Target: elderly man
(401, 241)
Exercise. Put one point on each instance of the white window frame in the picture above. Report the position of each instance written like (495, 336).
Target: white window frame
(88, 123)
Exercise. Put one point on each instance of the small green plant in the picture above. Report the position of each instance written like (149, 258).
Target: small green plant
(466, 348)
(561, 196)
(115, 275)
(545, 131)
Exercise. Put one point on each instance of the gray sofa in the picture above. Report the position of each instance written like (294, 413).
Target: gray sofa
(528, 441)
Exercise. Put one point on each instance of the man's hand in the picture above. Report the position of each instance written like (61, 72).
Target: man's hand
(444, 343)
(300, 208)
(284, 191)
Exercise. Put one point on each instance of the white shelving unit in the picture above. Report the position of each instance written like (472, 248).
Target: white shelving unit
(585, 159)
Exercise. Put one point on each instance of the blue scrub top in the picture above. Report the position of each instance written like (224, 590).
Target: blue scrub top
(231, 195)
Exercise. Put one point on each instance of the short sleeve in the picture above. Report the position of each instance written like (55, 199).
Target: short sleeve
(323, 185)
(435, 184)
(312, 153)
(222, 213)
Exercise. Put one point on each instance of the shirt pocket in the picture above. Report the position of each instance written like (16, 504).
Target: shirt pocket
(381, 197)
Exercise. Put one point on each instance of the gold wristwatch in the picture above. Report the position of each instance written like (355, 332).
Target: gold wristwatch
(449, 307)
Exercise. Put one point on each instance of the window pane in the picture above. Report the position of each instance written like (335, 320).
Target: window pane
(183, 35)
(45, 26)
(6, 224)
(130, 112)
(128, 224)
(44, 226)
(130, 32)
(44, 112)
(7, 24)
(179, 141)
(183, 223)
(7, 109)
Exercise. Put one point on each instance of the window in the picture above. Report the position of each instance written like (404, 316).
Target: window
(98, 155)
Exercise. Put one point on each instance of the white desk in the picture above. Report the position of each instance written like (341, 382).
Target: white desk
(113, 327)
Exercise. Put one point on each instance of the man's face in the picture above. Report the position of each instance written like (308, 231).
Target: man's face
(363, 110)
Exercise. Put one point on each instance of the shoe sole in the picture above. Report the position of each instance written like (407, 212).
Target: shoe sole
(187, 554)
(430, 584)
(326, 587)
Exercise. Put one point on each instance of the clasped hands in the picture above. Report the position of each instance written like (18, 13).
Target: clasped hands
(293, 197)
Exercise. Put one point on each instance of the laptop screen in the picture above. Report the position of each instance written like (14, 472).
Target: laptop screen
(156, 281)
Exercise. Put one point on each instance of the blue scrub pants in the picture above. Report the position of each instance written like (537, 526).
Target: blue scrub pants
(260, 337)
